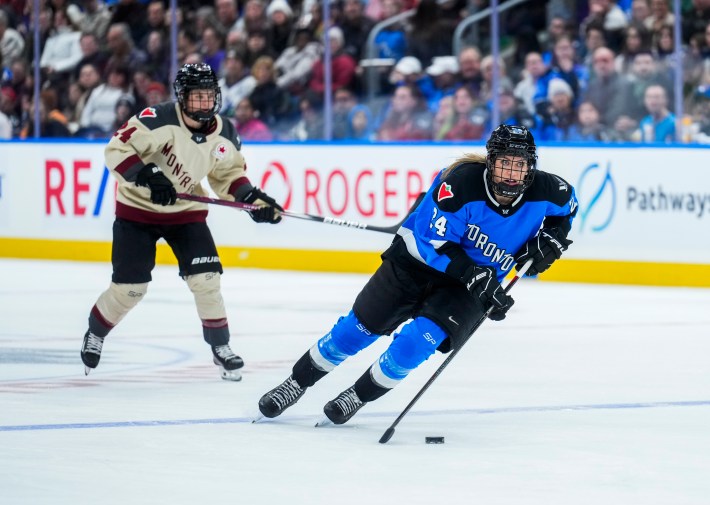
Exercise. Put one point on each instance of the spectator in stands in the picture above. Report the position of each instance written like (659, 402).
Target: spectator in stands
(253, 18)
(470, 69)
(408, 70)
(343, 65)
(125, 108)
(227, 14)
(427, 35)
(157, 56)
(62, 50)
(99, 114)
(608, 91)
(271, 102)
(486, 93)
(443, 118)
(695, 19)
(281, 23)
(512, 112)
(5, 124)
(132, 13)
(391, 41)
(644, 73)
(213, 49)
(444, 72)
(248, 124)
(556, 28)
(237, 82)
(50, 126)
(294, 66)
(560, 114)
(526, 89)
(660, 16)
(469, 120)
(310, 124)
(408, 117)
(588, 127)
(564, 66)
(640, 10)
(141, 78)
(186, 44)
(11, 42)
(155, 94)
(593, 40)
(356, 26)
(94, 19)
(343, 102)
(610, 17)
(9, 107)
(120, 46)
(637, 39)
(257, 45)
(90, 53)
(659, 124)
(360, 124)
(155, 17)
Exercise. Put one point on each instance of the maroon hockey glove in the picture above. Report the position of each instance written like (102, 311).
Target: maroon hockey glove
(269, 213)
(162, 191)
(544, 249)
(483, 283)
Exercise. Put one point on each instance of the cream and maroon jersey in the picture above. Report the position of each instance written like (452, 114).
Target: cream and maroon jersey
(159, 135)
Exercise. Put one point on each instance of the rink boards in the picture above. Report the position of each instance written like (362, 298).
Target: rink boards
(644, 212)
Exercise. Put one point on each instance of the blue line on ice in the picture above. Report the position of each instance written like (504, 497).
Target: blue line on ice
(244, 420)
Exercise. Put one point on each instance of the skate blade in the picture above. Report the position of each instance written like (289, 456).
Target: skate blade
(323, 422)
(258, 418)
(87, 370)
(230, 375)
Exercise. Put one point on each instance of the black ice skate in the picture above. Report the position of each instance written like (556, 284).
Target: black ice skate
(343, 407)
(280, 398)
(91, 351)
(228, 362)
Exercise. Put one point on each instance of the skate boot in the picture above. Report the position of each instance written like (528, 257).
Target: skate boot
(91, 351)
(228, 362)
(343, 407)
(280, 398)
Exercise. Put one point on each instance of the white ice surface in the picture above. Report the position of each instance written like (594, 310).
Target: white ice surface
(584, 395)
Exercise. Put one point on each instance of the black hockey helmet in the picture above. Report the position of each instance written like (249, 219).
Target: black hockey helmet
(515, 141)
(194, 76)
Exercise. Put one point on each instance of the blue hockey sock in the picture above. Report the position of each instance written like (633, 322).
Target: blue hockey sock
(348, 337)
(411, 347)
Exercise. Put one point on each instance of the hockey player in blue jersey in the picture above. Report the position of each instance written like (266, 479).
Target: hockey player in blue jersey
(481, 216)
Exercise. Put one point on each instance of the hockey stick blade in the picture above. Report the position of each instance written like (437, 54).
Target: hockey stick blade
(336, 221)
(389, 432)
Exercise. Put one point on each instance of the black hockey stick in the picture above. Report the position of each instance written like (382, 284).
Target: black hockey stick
(308, 217)
(390, 431)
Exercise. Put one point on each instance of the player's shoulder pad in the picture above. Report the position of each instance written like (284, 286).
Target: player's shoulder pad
(460, 185)
(549, 187)
(230, 133)
(163, 114)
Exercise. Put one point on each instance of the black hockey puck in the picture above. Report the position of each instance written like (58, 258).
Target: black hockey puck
(434, 440)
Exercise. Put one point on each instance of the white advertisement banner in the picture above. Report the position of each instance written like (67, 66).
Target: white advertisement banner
(642, 204)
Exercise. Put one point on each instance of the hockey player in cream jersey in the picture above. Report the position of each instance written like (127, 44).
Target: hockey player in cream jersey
(159, 152)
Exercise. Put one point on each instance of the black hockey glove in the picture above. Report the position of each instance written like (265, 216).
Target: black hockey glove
(483, 283)
(269, 212)
(162, 191)
(544, 249)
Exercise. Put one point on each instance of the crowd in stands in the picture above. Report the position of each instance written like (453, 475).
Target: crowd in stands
(586, 70)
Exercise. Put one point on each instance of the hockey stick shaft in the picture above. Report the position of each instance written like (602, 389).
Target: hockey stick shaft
(390, 431)
(297, 215)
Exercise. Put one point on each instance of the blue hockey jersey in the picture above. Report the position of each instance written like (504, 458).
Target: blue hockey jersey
(459, 221)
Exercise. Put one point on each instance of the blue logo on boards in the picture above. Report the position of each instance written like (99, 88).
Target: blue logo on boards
(597, 197)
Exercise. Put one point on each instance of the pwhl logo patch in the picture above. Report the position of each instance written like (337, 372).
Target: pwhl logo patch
(445, 192)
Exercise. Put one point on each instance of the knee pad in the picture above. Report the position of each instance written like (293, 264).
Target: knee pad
(206, 289)
(117, 301)
(348, 337)
(411, 347)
